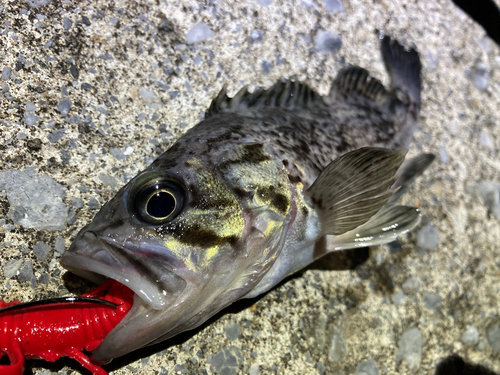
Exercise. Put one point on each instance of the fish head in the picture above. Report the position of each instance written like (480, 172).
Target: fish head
(188, 240)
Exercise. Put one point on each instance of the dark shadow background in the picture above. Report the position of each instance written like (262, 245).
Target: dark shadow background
(484, 12)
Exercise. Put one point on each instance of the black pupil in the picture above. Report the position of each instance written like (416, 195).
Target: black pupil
(161, 204)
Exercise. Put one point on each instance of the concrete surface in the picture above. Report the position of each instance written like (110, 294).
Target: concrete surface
(120, 79)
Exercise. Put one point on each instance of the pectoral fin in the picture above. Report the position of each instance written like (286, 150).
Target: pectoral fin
(384, 227)
(354, 187)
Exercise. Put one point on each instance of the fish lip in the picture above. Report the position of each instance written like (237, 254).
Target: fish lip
(131, 248)
(93, 257)
(110, 259)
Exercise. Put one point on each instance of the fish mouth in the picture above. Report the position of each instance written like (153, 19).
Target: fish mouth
(150, 271)
(161, 282)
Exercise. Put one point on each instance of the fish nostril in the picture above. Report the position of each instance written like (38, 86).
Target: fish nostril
(90, 236)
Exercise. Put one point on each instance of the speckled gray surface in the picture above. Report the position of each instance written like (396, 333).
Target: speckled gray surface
(92, 92)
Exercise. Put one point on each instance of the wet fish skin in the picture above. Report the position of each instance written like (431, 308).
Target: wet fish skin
(267, 183)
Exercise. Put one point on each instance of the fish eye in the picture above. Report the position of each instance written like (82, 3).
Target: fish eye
(157, 199)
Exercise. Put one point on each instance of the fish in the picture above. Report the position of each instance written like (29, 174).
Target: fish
(265, 184)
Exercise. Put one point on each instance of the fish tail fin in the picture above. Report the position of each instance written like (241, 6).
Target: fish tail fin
(404, 68)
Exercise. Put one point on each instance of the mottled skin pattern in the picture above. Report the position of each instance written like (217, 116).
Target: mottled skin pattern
(247, 221)
(306, 141)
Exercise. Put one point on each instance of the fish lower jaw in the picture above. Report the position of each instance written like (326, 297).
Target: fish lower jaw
(98, 273)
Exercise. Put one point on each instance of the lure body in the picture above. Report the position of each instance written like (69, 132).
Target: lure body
(61, 327)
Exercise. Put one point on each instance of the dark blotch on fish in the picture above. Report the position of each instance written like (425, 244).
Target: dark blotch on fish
(198, 236)
(276, 200)
(200, 202)
(252, 153)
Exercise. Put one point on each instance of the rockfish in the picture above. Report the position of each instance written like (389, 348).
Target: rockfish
(268, 182)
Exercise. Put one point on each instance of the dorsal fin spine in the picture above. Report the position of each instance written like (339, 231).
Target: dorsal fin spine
(283, 94)
(358, 81)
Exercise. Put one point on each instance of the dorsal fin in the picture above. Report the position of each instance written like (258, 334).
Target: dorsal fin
(353, 82)
(286, 93)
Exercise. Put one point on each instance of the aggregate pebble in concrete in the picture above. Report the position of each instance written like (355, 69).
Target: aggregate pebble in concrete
(41, 250)
(494, 338)
(432, 301)
(398, 297)
(59, 244)
(327, 42)
(34, 202)
(333, 5)
(26, 273)
(72, 74)
(368, 367)
(413, 283)
(11, 268)
(410, 349)
(6, 73)
(428, 237)
(199, 33)
(233, 331)
(227, 361)
(338, 348)
(470, 336)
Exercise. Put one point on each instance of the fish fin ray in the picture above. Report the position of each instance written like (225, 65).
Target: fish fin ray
(285, 94)
(404, 68)
(387, 224)
(219, 102)
(354, 82)
(354, 187)
(409, 171)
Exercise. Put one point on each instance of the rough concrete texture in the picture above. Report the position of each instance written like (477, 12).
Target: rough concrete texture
(93, 91)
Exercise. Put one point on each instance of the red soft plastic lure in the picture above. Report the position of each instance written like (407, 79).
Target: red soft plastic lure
(53, 328)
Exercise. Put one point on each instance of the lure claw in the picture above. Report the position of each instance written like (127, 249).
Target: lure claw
(50, 329)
